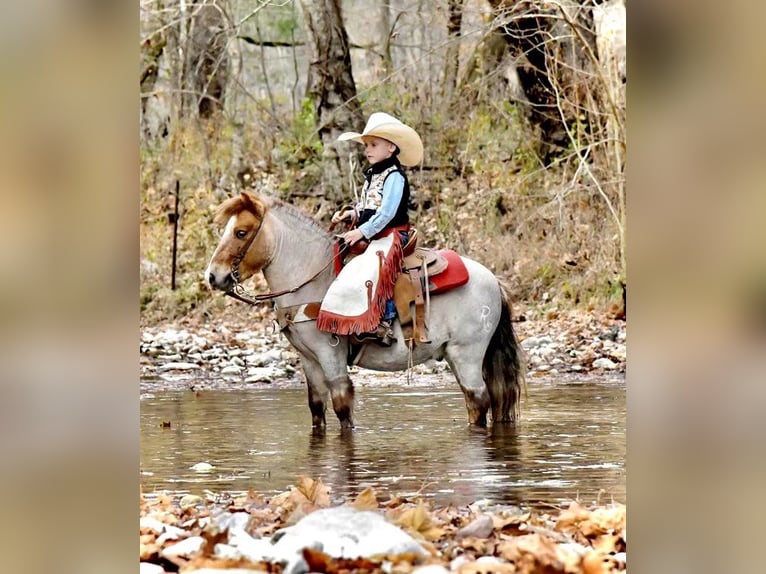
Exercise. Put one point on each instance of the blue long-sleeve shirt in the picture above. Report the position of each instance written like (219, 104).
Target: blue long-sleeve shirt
(393, 189)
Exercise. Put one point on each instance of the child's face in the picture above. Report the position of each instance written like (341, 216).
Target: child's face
(377, 149)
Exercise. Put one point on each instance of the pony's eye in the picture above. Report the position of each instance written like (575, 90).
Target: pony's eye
(240, 233)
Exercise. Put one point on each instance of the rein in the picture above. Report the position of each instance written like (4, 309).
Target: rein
(240, 293)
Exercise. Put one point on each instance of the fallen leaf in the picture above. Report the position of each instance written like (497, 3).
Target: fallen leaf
(313, 491)
(418, 521)
(607, 543)
(595, 563)
(487, 568)
(366, 500)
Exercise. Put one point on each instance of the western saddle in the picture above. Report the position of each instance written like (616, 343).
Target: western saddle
(412, 289)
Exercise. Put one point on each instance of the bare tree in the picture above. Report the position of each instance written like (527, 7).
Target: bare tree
(332, 89)
(452, 57)
(207, 59)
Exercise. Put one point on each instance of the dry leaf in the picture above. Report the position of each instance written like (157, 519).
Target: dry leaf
(313, 491)
(308, 495)
(607, 543)
(366, 500)
(418, 521)
(595, 563)
(487, 568)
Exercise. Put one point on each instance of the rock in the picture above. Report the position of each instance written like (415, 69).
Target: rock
(257, 374)
(202, 467)
(185, 547)
(458, 563)
(532, 342)
(604, 363)
(241, 544)
(177, 366)
(231, 370)
(482, 527)
(149, 568)
(342, 532)
(431, 569)
(224, 571)
(190, 500)
(168, 531)
(229, 521)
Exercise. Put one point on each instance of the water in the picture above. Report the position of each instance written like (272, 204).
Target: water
(569, 445)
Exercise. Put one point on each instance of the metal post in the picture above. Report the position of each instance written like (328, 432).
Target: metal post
(173, 217)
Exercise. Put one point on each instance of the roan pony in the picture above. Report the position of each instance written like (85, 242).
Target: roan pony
(469, 326)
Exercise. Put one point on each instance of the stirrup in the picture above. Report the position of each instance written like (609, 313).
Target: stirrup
(383, 336)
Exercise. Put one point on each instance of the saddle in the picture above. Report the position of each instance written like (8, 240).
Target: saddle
(424, 271)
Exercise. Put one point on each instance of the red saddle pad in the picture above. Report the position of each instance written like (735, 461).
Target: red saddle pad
(453, 276)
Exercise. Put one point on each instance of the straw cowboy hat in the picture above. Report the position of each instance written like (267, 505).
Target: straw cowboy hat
(388, 127)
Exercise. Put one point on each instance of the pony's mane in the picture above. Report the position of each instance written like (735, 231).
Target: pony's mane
(295, 213)
(259, 205)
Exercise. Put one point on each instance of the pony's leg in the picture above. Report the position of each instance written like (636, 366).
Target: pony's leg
(469, 377)
(342, 393)
(317, 391)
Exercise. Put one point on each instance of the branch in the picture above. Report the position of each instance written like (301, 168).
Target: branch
(270, 43)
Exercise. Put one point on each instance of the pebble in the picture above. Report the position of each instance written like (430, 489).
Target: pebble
(185, 547)
(177, 367)
(149, 568)
(604, 363)
(342, 532)
(482, 527)
(231, 370)
(261, 355)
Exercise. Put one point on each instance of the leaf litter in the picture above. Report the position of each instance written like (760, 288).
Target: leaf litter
(572, 540)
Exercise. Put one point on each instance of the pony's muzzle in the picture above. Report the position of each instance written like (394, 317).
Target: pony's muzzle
(223, 282)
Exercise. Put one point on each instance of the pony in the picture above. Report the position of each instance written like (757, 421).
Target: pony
(469, 326)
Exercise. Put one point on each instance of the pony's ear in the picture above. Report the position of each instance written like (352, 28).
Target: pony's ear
(253, 203)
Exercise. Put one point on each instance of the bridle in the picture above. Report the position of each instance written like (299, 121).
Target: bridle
(240, 293)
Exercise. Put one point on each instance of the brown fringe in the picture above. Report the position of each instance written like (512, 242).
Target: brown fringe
(368, 321)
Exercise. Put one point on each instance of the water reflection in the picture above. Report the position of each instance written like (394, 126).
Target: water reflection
(571, 443)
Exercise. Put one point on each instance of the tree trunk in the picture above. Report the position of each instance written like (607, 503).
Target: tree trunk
(208, 59)
(528, 30)
(331, 88)
(452, 56)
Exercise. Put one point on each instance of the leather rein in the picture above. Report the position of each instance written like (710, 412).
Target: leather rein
(240, 293)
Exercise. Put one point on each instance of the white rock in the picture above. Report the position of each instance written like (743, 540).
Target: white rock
(254, 549)
(168, 531)
(532, 342)
(177, 366)
(604, 363)
(256, 374)
(232, 521)
(481, 527)
(189, 500)
(231, 370)
(185, 547)
(224, 571)
(458, 562)
(149, 568)
(489, 560)
(202, 467)
(344, 532)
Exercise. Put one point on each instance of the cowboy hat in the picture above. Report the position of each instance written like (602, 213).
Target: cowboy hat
(389, 128)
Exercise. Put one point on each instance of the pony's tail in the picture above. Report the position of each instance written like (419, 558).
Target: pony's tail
(502, 367)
